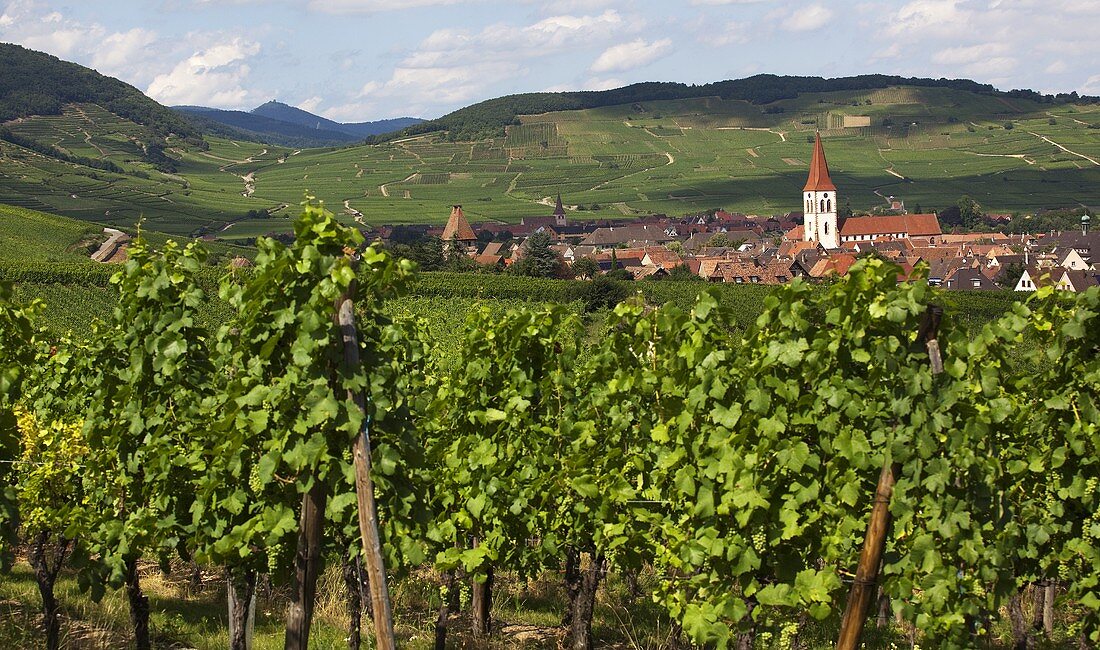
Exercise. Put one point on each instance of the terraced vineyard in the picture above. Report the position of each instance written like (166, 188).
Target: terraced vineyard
(927, 146)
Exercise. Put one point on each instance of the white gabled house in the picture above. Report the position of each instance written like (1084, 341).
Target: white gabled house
(1071, 260)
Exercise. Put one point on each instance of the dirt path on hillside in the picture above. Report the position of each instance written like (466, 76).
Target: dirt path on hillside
(1079, 155)
(249, 184)
(88, 141)
(386, 192)
(1018, 156)
(350, 210)
(782, 135)
(1072, 119)
(671, 161)
(894, 173)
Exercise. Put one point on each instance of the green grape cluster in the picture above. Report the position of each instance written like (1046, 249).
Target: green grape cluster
(274, 557)
(254, 482)
(787, 635)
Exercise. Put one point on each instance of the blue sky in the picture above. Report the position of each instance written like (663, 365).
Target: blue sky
(358, 60)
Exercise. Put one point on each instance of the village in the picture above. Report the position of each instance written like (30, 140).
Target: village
(816, 243)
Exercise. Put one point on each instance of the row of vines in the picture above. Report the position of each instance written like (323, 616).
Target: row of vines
(741, 469)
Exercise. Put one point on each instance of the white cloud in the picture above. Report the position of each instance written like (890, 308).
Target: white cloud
(731, 33)
(310, 105)
(929, 17)
(1057, 67)
(1091, 85)
(453, 66)
(211, 77)
(118, 52)
(592, 83)
(634, 54)
(808, 18)
(968, 54)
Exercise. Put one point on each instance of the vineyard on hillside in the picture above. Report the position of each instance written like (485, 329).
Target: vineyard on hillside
(848, 450)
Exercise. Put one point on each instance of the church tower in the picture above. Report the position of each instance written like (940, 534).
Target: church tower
(559, 213)
(820, 202)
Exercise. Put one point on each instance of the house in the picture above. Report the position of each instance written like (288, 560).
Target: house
(614, 235)
(1078, 281)
(941, 271)
(661, 257)
(1071, 259)
(1085, 243)
(1033, 278)
(969, 279)
(833, 265)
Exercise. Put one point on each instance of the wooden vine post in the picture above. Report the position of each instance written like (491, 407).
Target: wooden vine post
(874, 543)
(364, 487)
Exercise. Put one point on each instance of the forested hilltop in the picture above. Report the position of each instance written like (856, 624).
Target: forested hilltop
(489, 118)
(35, 83)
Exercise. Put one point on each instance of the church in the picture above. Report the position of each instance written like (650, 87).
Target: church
(821, 224)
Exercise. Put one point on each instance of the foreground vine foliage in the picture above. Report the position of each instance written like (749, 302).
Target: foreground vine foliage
(739, 464)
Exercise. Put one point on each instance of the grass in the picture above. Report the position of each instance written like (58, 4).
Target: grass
(674, 157)
(526, 614)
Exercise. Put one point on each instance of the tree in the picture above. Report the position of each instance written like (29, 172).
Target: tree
(970, 212)
(602, 293)
(682, 272)
(846, 211)
(539, 260)
(1010, 275)
(721, 240)
(586, 268)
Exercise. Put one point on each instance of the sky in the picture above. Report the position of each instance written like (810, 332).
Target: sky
(362, 60)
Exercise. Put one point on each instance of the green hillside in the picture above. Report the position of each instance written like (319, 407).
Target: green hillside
(27, 235)
(926, 144)
(35, 83)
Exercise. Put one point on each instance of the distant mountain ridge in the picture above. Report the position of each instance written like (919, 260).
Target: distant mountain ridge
(281, 124)
(279, 111)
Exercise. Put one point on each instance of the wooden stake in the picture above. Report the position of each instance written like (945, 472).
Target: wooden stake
(874, 542)
(859, 599)
(307, 567)
(364, 490)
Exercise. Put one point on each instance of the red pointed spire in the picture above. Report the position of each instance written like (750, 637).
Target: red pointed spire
(458, 227)
(819, 180)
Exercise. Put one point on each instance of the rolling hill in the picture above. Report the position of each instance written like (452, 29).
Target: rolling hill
(926, 144)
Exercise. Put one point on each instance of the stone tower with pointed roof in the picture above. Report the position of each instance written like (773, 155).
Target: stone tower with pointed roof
(458, 227)
(559, 213)
(819, 202)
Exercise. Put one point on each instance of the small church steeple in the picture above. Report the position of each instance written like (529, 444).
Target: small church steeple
(820, 202)
(559, 212)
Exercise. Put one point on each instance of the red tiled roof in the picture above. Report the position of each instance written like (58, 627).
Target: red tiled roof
(838, 264)
(913, 225)
(458, 227)
(798, 233)
(662, 257)
(819, 180)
